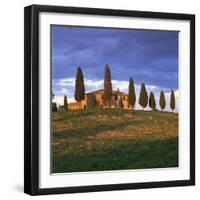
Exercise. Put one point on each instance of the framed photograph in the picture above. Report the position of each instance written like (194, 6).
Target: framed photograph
(109, 99)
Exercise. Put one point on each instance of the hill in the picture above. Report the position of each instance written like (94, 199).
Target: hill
(113, 139)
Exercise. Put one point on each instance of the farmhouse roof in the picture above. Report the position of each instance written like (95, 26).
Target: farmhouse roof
(73, 103)
(101, 91)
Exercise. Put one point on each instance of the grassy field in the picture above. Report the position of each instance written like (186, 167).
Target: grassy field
(113, 139)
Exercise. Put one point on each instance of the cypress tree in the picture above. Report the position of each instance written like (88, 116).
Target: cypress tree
(54, 107)
(52, 95)
(53, 104)
(79, 86)
(152, 102)
(172, 100)
(143, 100)
(131, 93)
(107, 86)
(162, 100)
(65, 103)
(91, 101)
(120, 104)
(94, 101)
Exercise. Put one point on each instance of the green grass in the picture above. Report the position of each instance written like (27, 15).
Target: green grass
(113, 139)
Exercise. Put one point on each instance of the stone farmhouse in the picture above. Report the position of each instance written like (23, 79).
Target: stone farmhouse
(116, 95)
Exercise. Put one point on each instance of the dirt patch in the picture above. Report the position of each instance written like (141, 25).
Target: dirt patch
(151, 132)
(61, 126)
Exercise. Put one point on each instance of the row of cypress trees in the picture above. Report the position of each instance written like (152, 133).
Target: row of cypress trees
(143, 98)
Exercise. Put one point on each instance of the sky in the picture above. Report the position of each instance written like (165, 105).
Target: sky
(149, 57)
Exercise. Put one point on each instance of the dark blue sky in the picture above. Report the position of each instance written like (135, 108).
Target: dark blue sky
(147, 56)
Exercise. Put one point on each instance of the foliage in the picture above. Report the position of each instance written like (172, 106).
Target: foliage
(54, 107)
(65, 103)
(94, 101)
(91, 101)
(143, 99)
(79, 86)
(152, 102)
(52, 95)
(172, 100)
(107, 86)
(131, 93)
(120, 104)
(162, 100)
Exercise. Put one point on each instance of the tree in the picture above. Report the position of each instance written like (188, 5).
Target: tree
(162, 100)
(65, 103)
(107, 86)
(152, 102)
(94, 101)
(54, 107)
(53, 104)
(172, 100)
(143, 100)
(91, 101)
(120, 104)
(52, 95)
(79, 86)
(131, 93)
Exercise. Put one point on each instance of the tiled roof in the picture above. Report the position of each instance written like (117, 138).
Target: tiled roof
(73, 103)
(113, 92)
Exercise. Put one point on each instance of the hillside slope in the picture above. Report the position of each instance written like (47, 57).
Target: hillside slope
(112, 139)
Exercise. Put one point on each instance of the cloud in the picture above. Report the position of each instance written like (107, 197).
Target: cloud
(148, 56)
(59, 100)
(66, 86)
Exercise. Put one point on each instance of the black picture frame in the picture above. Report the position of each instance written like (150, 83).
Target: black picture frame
(31, 98)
